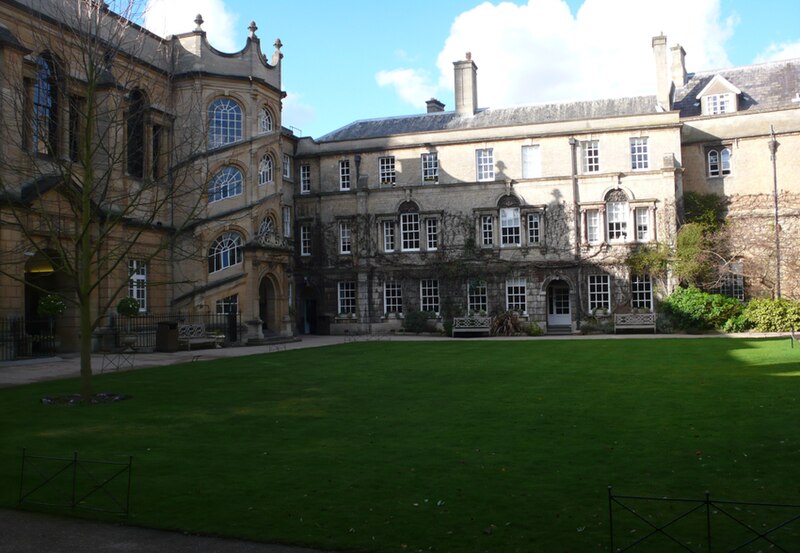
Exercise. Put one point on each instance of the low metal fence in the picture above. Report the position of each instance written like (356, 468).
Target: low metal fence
(74, 483)
(21, 338)
(706, 524)
(145, 326)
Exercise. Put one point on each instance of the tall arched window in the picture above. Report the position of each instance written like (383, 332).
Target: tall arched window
(135, 131)
(265, 168)
(226, 251)
(224, 122)
(44, 135)
(225, 184)
(719, 162)
(266, 227)
(617, 215)
(264, 120)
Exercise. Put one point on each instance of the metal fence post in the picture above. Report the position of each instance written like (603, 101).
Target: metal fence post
(22, 475)
(128, 498)
(708, 521)
(74, 475)
(610, 519)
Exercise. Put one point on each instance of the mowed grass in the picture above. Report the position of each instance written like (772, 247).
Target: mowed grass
(462, 446)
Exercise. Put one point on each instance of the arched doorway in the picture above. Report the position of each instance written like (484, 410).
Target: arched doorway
(559, 313)
(308, 322)
(42, 278)
(268, 307)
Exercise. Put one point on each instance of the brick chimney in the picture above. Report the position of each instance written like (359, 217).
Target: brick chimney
(466, 86)
(434, 106)
(678, 66)
(663, 81)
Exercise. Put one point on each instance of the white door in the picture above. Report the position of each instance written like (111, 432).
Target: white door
(558, 312)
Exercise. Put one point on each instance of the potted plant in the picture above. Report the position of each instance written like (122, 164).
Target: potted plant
(51, 306)
(128, 307)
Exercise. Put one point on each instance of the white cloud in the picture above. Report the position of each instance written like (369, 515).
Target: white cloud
(296, 113)
(166, 17)
(785, 51)
(413, 86)
(541, 52)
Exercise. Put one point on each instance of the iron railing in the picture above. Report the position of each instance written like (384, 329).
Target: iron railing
(70, 482)
(653, 523)
(21, 338)
(145, 326)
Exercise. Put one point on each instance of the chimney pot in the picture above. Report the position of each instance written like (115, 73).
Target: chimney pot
(434, 106)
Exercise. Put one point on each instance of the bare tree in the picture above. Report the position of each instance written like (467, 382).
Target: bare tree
(97, 167)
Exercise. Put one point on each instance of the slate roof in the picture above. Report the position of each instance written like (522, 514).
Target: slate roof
(765, 87)
(488, 118)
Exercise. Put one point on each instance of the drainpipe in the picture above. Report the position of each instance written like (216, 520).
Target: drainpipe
(773, 151)
(573, 144)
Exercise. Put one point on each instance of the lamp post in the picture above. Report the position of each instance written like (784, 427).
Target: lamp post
(773, 150)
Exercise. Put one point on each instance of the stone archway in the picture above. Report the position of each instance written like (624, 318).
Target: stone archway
(42, 278)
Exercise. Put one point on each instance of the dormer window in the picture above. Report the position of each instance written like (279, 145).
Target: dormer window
(719, 97)
(719, 103)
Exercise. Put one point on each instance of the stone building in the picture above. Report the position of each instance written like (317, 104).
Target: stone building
(189, 166)
(536, 209)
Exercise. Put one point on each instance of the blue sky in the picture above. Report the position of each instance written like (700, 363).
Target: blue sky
(346, 60)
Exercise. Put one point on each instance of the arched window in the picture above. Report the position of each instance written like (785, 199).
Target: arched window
(719, 162)
(135, 131)
(266, 227)
(225, 252)
(224, 122)
(264, 120)
(44, 135)
(225, 184)
(265, 169)
(617, 215)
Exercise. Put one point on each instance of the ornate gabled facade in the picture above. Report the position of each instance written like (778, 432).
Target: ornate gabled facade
(188, 159)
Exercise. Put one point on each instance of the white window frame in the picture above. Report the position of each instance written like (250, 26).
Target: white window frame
(346, 297)
(345, 238)
(721, 164)
(510, 222)
(409, 232)
(265, 170)
(287, 166)
(534, 228)
(617, 221)
(387, 171)
(516, 295)
(227, 305)
(484, 164)
(593, 226)
(264, 120)
(591, 156)
(226, 183)
(640, 154)
(392, 297)
(431, 234)
(599, 292)
(344, 175)
(531, 162)
(641, 217)
(287, 221)
(137, 282)
(429, 295)
(642, 292)
(477, 297)
(305, 179)
(305, 240)
(389, 236)
(487, 231)
(430, 167)
(718, 104)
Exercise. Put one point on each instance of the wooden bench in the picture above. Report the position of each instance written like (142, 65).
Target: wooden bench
(635, 321)
(472, 325)
(195, 334)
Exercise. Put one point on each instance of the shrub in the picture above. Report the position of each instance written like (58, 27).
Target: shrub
(506, 324)
(739, 323)
(128, 307)
(534, 329)
(416, 321)
(768, 315)
(692, 309)
(51, 305)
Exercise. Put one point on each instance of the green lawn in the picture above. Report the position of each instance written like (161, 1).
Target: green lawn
(462, 446)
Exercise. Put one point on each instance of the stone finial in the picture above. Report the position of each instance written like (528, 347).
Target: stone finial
(469, 56)
(278, 55)
(252, 28)
(199, 22)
